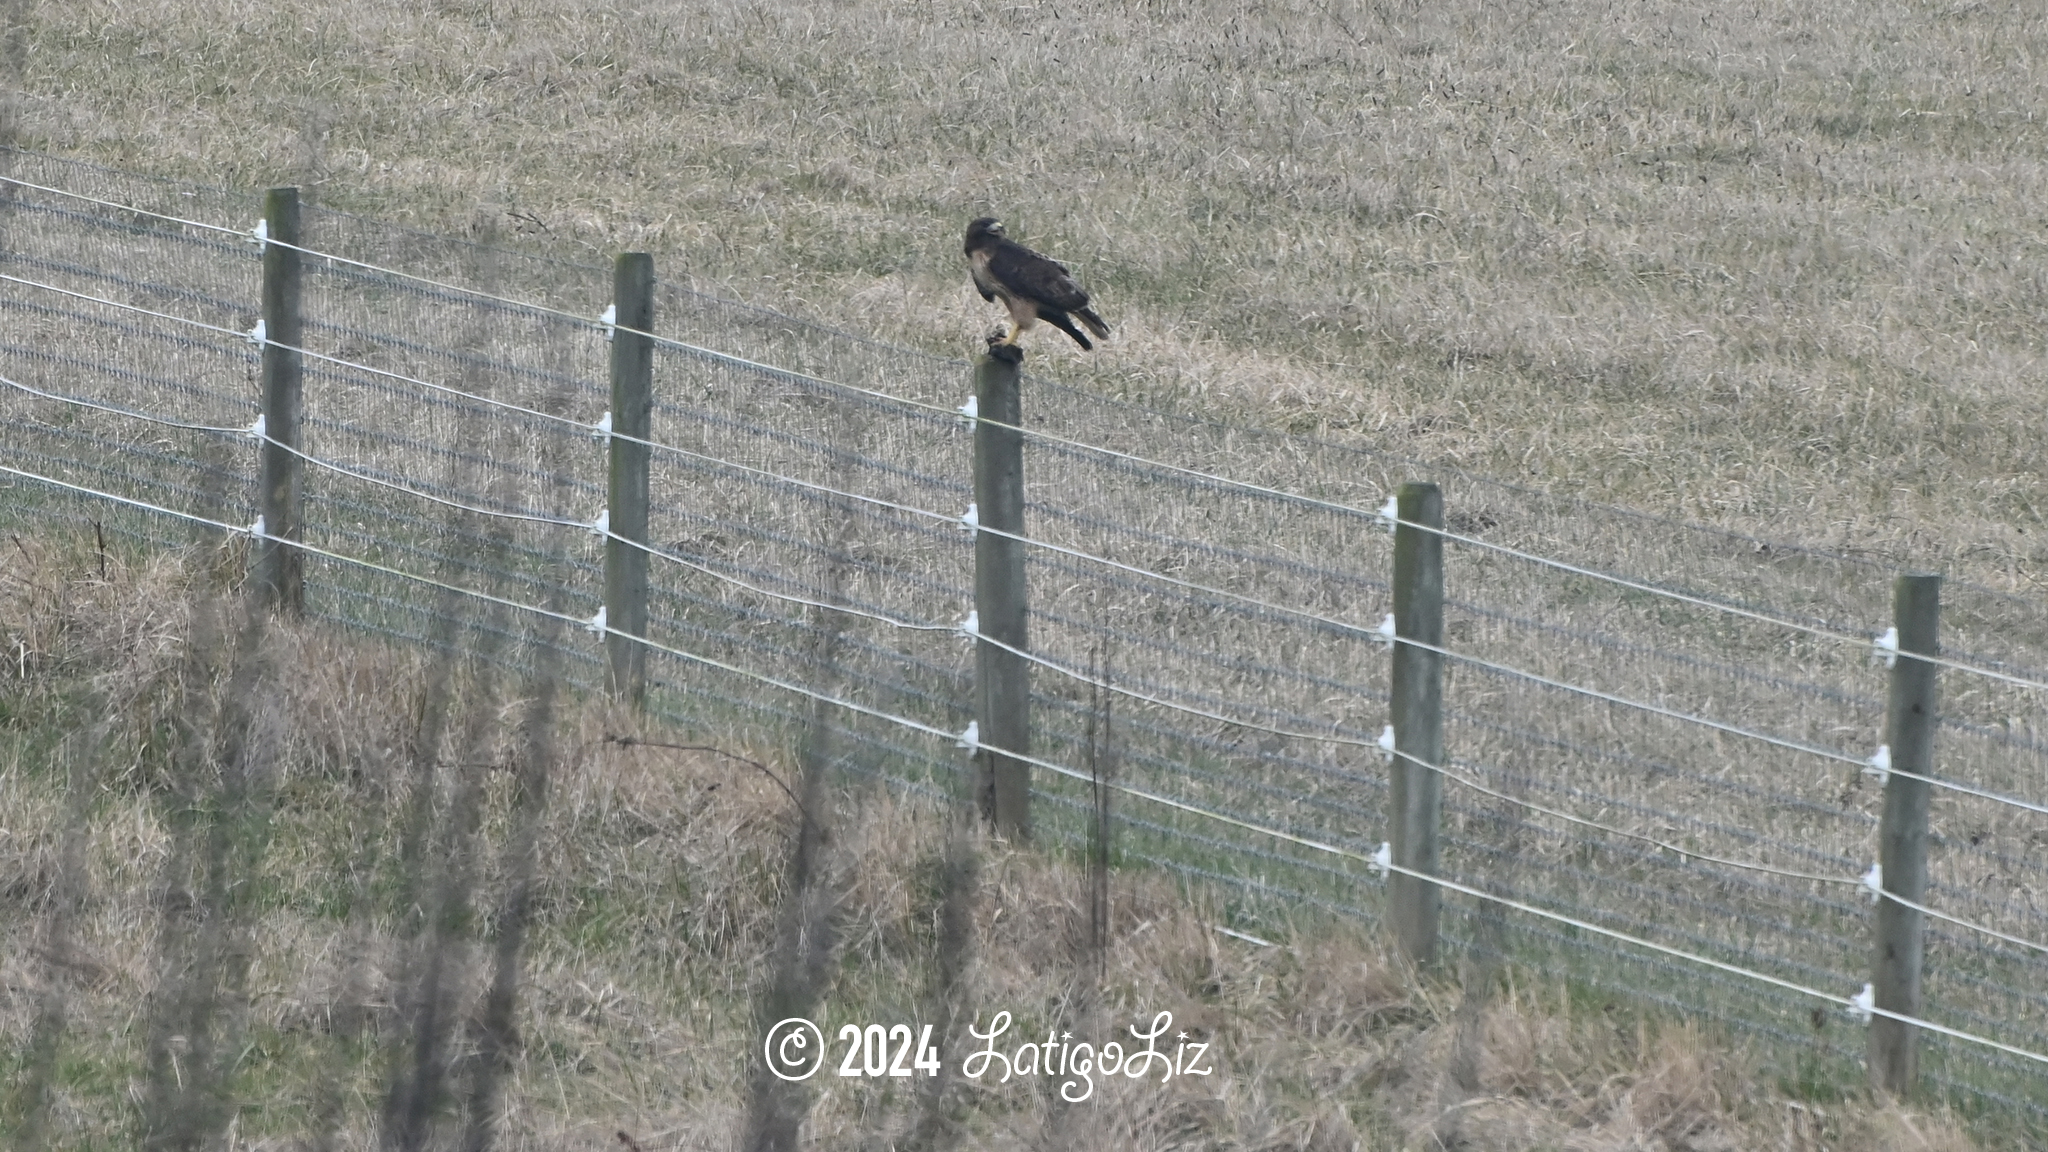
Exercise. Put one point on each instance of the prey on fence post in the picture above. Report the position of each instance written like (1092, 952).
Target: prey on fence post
(625, 566)
(1894, 1057)
(279, 571)
(1002, 680)
(1415, 799)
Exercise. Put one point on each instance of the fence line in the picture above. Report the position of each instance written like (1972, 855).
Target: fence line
(1384, 634)
(453, 291)
(967, 629)
(773, 498)
(1878, 644)
(969, 741)
(257, 236)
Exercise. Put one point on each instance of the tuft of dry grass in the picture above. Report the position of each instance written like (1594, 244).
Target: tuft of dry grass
(654, 931)
(1773, 267)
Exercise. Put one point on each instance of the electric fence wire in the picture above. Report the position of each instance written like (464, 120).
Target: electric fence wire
(883, 396)
(1061, 669)
(1383, 514)
(1383, 634)
(1199, 712)
(938, 627)
(1857, 1005)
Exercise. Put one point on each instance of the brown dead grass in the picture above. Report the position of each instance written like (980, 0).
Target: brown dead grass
(1773, 267)
(663, 873)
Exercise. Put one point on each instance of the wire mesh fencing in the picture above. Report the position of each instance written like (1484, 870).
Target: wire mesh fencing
(1657, 732)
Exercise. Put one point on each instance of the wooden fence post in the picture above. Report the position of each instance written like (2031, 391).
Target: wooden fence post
(1002, 680)
(279, 571)
(1894, 1057)
(625, 567)
(1415, 802)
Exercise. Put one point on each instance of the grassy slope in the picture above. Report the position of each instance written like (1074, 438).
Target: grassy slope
(1776, 267)
(654, 930)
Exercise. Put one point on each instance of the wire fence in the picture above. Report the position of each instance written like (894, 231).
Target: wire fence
(1660, 734)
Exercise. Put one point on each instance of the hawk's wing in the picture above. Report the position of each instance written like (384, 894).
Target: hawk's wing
(1035, 278)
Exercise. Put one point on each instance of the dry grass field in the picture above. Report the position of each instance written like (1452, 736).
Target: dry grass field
(1776, 266)
(147, 1005)
(1777, 269)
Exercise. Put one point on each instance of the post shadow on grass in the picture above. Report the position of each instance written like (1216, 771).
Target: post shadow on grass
(493, 1032)
(1484, 969)
(807, 929)
(436, 880)
(433, 1080)
(956, 891)
(224, 769)
(28, 1105)
(493, 1036)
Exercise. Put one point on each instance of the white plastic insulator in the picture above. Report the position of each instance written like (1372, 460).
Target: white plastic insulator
(1385, 632)
(256, 529)
(596, 624)
(971, 520)
(1391, 512)
(971, 738)
(1383, 859)
(1861, 1004)
(1887, 646)
(610, 320)
(1386, 742)
(258, 430)
(1880, 764)
(602, 526)
(260, 234)
(971, 627)
(1873, 882)
(259, 335)
(971, 411)
(604, 427)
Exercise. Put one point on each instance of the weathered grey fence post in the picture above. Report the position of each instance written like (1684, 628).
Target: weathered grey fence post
(1894, 1058)
(1002, 680)
(1416, 797)
(625, 567)
(279, 571)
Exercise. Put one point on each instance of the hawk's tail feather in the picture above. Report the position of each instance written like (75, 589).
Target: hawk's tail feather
(1094, 323)
(1060, 321)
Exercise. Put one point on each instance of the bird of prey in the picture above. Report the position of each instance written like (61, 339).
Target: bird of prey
(1031, 286)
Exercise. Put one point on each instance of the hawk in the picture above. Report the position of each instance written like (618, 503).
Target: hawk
(1031, 286)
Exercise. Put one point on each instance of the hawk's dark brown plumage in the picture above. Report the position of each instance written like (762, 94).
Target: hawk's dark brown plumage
(1031, 286)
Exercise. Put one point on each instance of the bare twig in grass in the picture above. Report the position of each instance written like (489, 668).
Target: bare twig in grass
(713, 749)
(1065, 1125)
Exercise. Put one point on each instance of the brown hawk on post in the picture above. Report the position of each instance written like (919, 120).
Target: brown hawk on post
(1031, 286)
